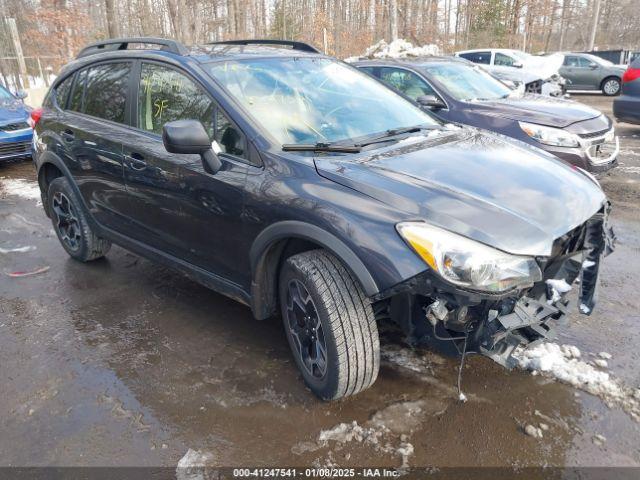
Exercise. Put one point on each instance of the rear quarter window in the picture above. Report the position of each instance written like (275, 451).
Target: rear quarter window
(61, 92)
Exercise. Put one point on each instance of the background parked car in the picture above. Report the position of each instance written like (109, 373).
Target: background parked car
(588, 72)
(15, 132)
(458, 92)
(626, 107)
(504, 61)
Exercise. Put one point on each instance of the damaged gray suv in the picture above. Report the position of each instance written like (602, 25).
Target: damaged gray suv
(299, 185)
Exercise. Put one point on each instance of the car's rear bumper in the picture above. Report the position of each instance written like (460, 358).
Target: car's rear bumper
(627, 109)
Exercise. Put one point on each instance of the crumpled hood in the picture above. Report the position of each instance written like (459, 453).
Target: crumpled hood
(495, 191)
(543, 110)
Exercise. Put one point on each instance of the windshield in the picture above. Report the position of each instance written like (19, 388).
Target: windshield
(311, 100)
(467, 83)
(5, 95)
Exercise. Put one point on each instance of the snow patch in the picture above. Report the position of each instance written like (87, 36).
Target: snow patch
(558, 287)
(562, 363)
(26, 248)
(21, 188)
(192, 466)
(399, 48)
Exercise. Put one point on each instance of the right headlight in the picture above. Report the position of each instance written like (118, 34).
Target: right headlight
(468, 263)
(550, 135)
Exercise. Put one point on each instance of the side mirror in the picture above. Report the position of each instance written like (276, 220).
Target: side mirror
(518, 65)
(430, 101)
(21, 94)
(189, 136)
(593, 65)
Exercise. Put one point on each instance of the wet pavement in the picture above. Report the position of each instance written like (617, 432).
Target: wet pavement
(124, 362)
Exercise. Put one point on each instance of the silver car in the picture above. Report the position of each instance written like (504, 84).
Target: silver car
(588, 72)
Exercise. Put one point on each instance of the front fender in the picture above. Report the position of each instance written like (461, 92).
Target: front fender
(265, 254)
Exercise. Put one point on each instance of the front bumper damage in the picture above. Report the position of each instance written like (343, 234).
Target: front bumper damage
(496, 326)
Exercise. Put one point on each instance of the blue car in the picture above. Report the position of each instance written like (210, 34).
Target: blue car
(15, 131)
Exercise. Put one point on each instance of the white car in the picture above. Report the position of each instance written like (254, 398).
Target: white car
(507, 61)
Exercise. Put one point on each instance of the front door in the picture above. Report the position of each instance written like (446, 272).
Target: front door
(179, 208)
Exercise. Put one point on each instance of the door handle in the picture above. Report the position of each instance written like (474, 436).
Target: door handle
(68, 135)
(136, 161)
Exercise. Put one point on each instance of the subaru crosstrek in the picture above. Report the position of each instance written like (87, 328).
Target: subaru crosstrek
(291, 181)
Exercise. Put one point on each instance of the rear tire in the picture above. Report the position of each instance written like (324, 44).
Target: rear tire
(611, 86)
(323, 304)
(70, 223)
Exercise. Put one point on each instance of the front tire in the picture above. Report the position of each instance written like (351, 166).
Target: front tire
(330, 325)
(611, 86)
(71, 225)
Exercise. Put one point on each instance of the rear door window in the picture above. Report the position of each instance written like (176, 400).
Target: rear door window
(107, 90)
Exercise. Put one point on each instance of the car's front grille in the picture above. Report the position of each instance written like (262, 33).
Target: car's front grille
(534, 87)
(599, 133)
(11, 127)
(15, 149)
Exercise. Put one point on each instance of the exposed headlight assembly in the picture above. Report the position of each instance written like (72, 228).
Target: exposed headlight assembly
(549, 135)
(466, 262)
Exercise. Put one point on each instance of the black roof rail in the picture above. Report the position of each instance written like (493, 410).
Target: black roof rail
(167, 45)
(303, 47)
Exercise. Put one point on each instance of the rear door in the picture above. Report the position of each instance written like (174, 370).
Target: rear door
(178, 207)
(92, 128)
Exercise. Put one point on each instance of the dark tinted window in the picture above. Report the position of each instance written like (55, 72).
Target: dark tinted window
(478, 57)
(106, 91)
(77, 94)
(166, 95)
(405, 81)
(62, 92)
(369, 70)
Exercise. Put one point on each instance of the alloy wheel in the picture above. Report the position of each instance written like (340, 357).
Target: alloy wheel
(306, 330)
(611, 87)
(68, 225)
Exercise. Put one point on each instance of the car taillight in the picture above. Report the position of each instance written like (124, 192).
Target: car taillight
(34, 117)
(631, 74)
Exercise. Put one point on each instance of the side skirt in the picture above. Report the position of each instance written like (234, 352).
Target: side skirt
(195, 273)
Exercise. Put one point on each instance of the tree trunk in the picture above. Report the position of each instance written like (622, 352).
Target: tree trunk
(112, 25)
(393, 19)
(594, 25)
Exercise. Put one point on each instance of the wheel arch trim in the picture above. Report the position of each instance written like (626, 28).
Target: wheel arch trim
(263, 294)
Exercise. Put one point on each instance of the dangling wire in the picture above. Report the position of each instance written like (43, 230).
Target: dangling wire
(461, 396)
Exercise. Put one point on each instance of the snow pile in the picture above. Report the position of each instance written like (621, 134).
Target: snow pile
(348, 432)
(399, 48)
(406, 358)
(558, 287)
(20, 187)
(562, 363)
(193, 466)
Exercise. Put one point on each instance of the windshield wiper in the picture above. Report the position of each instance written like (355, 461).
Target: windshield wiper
(389, 134)
(320, 147)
